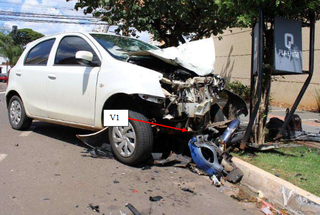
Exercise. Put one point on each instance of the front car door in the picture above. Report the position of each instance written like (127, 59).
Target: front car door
(71, 85)
(31, 78)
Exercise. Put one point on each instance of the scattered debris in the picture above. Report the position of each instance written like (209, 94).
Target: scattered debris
(235, 175)
(260, 194)
(236, 198)
(98, 152)
(266, 211)
(95, 208)
(156, 156)
(297, 175)
(174, 158)
(133, 209)
(269, 209)
(155, 198)
(146, 168)
(92, 139)
(215, 181)
(244, 195)
(193, 168)
(307, 136)
(271, 146)
(187, 190)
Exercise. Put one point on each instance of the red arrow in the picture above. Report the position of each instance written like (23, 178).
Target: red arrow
(183, 129)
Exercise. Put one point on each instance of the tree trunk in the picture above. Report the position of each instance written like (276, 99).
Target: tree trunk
(259, 129)
(261, 120)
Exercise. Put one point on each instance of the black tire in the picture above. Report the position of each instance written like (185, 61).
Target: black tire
(24, 122)
(143, 140)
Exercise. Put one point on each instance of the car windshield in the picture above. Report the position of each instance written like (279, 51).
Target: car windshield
(119, 47)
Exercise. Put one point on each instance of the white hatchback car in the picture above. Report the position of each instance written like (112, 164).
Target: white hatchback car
(70, 78)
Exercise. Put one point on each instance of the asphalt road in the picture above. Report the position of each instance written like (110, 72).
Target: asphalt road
(42, 171)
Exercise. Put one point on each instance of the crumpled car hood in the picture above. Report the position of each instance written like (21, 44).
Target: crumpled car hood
(197, 56)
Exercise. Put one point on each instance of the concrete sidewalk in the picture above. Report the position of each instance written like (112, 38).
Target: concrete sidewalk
(308, 118)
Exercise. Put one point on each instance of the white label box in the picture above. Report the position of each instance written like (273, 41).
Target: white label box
(115, 118)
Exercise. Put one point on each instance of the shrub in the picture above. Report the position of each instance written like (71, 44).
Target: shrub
(238, 88)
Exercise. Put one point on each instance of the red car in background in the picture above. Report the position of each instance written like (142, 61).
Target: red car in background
(3, 78)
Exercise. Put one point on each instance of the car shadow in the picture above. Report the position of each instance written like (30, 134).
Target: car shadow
(59, 132)
(67, 134)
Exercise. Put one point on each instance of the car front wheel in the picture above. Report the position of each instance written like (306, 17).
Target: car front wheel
(132, 144)
(17, 114)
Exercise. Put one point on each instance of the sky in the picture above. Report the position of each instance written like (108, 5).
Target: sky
(54, 7)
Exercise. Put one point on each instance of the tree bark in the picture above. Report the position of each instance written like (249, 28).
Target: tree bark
(261, 120)
(260, 125)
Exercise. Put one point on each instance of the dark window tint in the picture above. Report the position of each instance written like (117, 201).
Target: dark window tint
(68, 48)
(39, 54)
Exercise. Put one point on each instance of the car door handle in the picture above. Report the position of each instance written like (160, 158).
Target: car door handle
(52, 76)
(18, 73)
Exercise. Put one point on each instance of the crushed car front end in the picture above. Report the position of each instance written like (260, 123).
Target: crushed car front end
(191, 99)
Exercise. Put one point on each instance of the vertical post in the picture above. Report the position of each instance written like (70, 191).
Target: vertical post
(306, 83)
(251, 76)
(260, 72)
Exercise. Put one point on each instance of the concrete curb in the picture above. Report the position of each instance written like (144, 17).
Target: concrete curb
(278, 191)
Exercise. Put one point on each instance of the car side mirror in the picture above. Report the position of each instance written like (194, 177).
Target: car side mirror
(84, 57)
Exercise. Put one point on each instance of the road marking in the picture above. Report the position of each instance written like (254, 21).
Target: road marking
(27, 133)
(2, 156)
(2, 93)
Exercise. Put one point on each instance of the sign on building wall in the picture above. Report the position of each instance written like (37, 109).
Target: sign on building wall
(288, 46)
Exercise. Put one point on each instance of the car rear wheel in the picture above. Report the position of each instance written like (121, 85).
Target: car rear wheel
(132, 144)
(17, 115)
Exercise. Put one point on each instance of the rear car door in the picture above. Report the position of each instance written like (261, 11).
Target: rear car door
(31, 78)
(71, 86)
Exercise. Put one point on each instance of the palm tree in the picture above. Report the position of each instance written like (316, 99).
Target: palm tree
(9, 50)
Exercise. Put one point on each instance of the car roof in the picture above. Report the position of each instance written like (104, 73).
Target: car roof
(78, 32)
(67, 33)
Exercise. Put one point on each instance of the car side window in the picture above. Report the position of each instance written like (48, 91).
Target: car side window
(39, 54)
(68, 48)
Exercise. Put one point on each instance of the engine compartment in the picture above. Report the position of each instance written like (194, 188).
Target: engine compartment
(188, 97)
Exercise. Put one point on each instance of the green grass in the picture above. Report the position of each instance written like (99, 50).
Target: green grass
(300, 165)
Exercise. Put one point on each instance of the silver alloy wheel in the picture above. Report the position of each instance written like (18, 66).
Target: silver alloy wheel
(15, 112)
(124, 139)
